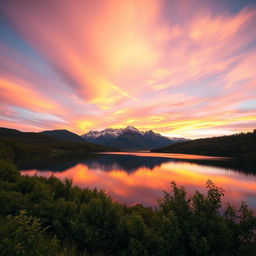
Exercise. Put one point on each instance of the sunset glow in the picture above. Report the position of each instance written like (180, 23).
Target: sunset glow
(181, 68)
(146, 185)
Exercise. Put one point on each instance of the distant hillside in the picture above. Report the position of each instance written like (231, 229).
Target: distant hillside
(14, 144)
(129, 138)
(238, 145)
(64, 135)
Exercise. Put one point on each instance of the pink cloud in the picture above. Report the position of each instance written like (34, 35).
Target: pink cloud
(154, 64)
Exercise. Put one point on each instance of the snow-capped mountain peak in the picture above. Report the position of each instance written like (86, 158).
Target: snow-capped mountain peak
(131, 129)
(111, 132)
(105, 132)
(129, 137)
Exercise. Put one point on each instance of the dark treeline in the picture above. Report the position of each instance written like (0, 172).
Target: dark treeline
(239, 145)
(47, 216)
(15, 144)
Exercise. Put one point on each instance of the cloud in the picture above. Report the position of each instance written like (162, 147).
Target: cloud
(159, 65)
(89, 43)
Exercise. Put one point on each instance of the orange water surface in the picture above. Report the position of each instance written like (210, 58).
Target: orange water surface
(141, 177)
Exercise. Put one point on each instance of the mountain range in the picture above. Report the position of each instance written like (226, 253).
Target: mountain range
(108, 139)
(129, 138)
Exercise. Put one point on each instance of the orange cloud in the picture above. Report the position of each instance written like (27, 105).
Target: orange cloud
(159, 65)
(89, 54)
(20, 94)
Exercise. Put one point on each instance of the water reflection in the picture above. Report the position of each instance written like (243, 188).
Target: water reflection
(107, 163)
(141, 177)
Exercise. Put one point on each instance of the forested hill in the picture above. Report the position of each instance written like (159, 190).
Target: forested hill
(64, 135)
(14, 143)
(237, 145)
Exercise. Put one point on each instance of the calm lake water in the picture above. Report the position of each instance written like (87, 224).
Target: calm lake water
(141, 177)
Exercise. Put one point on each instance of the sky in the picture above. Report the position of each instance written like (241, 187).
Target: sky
(183, 68)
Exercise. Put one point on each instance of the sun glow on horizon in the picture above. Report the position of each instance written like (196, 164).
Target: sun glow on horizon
(156, 65)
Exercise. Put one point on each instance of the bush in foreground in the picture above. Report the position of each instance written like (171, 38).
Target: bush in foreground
(22, 235)
(47, 216)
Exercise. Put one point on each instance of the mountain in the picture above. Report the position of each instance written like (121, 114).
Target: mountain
(15, 144)
(64, 135)
(129, 138)
(237, 145)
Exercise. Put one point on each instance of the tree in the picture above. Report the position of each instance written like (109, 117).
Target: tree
(23, 235)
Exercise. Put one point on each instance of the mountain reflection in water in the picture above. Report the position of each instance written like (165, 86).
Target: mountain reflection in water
(134, 177)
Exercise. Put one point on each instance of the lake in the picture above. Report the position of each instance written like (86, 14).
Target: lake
(141, 177)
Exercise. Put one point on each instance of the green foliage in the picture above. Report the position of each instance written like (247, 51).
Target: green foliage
(8, 172)
(23, 235)
(238, 145)
(5, 152)
(47, 216)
